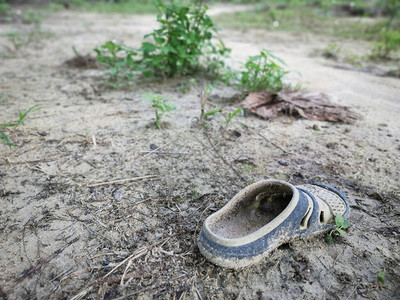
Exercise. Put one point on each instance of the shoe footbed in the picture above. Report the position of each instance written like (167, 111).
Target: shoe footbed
(252, 213)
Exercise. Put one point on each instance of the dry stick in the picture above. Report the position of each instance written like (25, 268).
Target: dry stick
(138, 254)
(155, 150)
(272, 143)
(135, 255)
(8, 162)
(145, 200)
(164, 152)
(42, 262)
(122, 180)
(224, 160)
(94, 141)
(334, 261)
(352, 292)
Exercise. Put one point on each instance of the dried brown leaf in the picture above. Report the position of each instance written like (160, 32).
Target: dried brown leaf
(311, 106)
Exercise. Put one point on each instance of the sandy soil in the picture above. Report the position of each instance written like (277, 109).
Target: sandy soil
(66, 232)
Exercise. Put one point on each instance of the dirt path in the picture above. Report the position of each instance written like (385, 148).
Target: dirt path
(62, 234)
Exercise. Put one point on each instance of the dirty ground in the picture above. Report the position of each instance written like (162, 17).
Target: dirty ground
(76, 222)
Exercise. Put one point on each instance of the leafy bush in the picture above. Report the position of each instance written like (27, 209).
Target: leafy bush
(4, 7)
(179, 47)
(390, 43)
(117, 58)
(262, 73)
(183, 37)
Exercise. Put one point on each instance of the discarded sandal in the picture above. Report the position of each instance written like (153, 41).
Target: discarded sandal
(265, 215)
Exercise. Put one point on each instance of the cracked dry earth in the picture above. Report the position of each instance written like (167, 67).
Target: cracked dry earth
(75, 224)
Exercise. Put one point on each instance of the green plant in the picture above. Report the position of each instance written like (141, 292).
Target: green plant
(3, 97)
(183, 38)
(32, 17)
(389, 36)
(161, 107)
(180, 46)
(117, 58)
(230, 116)
(381, 275)
(390, 43)
(262, 73)
(4, 7)
(21, 39)
(21, 116)
(17, 39)
(211, 112)
(331, 51)
(341, 223)
(111, 6)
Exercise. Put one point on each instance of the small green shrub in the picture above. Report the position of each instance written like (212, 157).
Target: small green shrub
(180, 46)
(117, 58)
(341, 223)
(262, 73)
(381, 275)
(4, 7)
(331, 51)
(184, 36)
(161, 107)
(21, 116)
(390, 43)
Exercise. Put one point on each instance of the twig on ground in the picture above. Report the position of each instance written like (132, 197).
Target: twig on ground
(130, 258)
(8, 162)
(352, 292)
(165, 152)
(145, 200)
(32, 270)
(122, 180)
(269, 141)
(94, 141)
(137, 254)
(155, 150)
(224, 160)
(339, 255)
(198, 293)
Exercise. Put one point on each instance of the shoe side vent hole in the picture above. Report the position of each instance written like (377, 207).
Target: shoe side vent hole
(305, 222)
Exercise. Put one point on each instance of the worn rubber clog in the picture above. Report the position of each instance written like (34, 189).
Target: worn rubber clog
(266, 215)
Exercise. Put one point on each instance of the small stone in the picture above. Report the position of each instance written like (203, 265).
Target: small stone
(117, 194)
(42, 133)
(283, 162)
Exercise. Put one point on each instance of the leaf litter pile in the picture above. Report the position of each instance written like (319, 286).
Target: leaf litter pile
(308, 105)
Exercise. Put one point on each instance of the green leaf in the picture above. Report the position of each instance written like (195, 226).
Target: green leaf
(254, 58)
(212, 112)
(148, 47)
(232, 115)
(381, 275)
(342, 233)
(346, 224)
(329, 239)
(4, 139)
(169, 106)
(339, 220)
